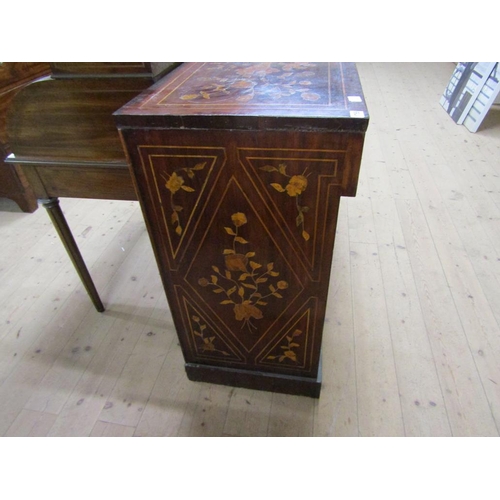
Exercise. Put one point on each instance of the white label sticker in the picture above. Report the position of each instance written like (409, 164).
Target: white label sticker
(354, 98)
(357, 114)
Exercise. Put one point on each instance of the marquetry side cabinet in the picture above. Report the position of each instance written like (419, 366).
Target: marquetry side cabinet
(239, 168)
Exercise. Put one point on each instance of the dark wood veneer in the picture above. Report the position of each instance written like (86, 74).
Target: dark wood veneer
(239, 168)
(13, 78)
(63, 137)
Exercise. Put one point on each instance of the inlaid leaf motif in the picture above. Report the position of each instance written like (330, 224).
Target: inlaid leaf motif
(207, 343)
(288, 353)
(242, 279)
(278, 187)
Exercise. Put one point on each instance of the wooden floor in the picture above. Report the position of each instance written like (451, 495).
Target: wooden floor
(412, 339)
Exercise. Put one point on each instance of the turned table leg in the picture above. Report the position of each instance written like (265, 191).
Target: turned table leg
(57, 217)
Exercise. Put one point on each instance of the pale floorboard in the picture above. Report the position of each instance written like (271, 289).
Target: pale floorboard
(412, 338)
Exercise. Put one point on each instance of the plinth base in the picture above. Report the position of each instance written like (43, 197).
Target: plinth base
(272, 382)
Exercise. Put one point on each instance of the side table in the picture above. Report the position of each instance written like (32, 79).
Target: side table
(239, 168)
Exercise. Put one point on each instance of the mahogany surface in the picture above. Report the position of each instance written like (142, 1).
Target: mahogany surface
(62, 132)
(63, 137)
(239, 169)
(14, 76)
(152, 70)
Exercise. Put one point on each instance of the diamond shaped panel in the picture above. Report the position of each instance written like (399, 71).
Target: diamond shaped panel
(250, 286)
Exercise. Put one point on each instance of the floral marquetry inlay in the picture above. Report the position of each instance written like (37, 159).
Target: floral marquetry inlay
(206, 340)
(179, 178)
(244, 283)
(288, 351)
(298, 185)
(240, 168)
(174, 183)
(294, 186)
(290, 348)
(257, 82)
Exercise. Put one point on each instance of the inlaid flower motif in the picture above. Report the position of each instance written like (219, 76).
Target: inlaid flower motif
(282, 285)
(257, 70)
(243, 84)
(310, 96)
(296, 185)
(174, 183)
(245, 311)
(239, 219)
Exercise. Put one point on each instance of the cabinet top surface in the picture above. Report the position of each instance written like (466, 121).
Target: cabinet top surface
(252, 95)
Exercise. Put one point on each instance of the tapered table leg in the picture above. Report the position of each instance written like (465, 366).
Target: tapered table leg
(57, 217)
